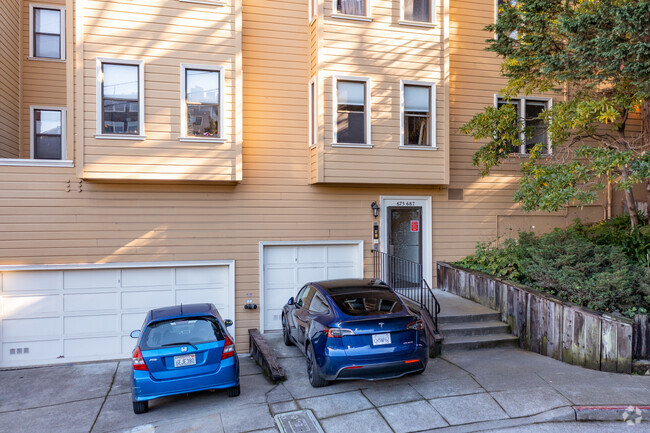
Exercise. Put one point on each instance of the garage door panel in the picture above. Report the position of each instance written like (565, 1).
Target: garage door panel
(30, 281)
(279, 255)
(30, 328)
(279, 298)
(194, 296)
(91, 279)
(76, 325)
(280, 277)
(25, 306)
(204, 276)
(132, 321)
(306, 275)
(341, 254)
(128, 344)
(90, 302)
(146, 300)
(37, 351)
(336, 272)
(94, 347)
(147, 277)
(311, 254)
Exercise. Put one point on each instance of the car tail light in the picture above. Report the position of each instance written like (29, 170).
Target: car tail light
(138, 360)
(411, 361)
(418, 325)
(339, 332)
(228, 348)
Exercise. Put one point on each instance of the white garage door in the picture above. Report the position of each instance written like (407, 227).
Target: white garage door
(286, 268)
(69, 314)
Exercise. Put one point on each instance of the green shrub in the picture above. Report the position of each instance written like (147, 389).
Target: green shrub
(577, 264)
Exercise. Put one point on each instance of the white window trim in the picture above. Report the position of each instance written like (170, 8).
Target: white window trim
(99, 79)
(366, 80)
(432, 114)
(313, 112)
(404, 21)
(520, 113)
(32, 132)
(206, 2)
(222, 86)
(366, 17)
(33, 6)
(313, 11)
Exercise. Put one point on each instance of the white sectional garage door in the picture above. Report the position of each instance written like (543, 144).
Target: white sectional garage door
(84, 313)
(286, 268)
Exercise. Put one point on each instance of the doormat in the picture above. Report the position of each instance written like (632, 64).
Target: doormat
(300, 421)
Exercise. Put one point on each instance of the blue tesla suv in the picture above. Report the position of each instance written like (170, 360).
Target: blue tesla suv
(182, 349)
(354, 329)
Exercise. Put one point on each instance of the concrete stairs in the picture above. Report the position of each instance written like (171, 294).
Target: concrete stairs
(466, 325)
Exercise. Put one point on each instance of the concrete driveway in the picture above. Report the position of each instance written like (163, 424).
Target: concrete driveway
(495, 389)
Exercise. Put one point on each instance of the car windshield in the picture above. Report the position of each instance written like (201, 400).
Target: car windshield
(355, 302)
(190, 331)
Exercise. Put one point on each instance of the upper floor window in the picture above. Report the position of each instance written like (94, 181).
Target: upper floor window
(417, 113)
(202, 102)
(533, 128)
(501, 6)
(313, 113)
(352, 7)
(120, 99)
(418, 10)
(313, 9)
(48, 133)
(352, 111)
(47, 32)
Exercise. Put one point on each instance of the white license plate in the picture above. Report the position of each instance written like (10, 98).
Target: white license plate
(184, 360)
(378, 339)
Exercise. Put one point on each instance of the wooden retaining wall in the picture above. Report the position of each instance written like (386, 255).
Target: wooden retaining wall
(553, 327)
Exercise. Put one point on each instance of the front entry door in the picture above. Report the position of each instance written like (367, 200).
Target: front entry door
(405, 244)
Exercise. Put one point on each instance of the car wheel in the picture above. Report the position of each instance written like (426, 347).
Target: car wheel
(140, 406)
(234, 391)
(315, 378)
(286, 333)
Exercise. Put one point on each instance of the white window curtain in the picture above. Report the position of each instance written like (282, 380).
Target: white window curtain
(352, 7)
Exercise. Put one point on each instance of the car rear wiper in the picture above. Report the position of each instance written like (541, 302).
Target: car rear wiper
(179, 344)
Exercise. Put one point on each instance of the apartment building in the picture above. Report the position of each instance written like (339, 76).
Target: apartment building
(228, 151)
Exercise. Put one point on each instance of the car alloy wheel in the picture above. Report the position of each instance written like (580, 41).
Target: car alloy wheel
(286, 334)
(315, 378)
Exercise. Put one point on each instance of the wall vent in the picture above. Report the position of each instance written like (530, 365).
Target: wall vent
(455, 194)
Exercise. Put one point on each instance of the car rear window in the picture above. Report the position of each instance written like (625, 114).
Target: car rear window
(367, 302)
(195, 330)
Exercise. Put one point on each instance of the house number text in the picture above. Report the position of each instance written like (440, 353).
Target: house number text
(405, 203)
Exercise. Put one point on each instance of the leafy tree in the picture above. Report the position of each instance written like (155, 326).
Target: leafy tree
(597, 52)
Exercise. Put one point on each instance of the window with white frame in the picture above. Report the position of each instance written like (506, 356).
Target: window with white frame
(47, 32)
(352, 7)
(417, 113)
(420, 11)
(313, 113)
(533, 128)
(501, 6)
(352, 125)
(313, 9)
(202, 102)
(120, 98)
(47, 133)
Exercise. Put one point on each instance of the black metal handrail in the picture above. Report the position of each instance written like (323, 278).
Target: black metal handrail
(405, 277)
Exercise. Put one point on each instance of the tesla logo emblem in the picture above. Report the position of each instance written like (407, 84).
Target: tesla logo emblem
(381, 324)
(184, 349)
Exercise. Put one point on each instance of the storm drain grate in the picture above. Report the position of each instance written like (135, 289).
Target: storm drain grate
(300, 421)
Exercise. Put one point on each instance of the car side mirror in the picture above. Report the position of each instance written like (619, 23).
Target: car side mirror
(290, 301)
(227, 322)
(135, 334)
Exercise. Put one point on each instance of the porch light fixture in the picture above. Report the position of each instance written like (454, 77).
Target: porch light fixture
(375, 209)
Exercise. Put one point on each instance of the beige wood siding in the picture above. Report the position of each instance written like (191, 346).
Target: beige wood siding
(163, 34)
(9, 78)
(386, 52)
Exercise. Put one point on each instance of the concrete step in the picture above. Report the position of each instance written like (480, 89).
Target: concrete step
(463, 318)
(478, 342)
(466, 329)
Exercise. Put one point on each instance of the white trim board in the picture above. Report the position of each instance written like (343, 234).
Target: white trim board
(427, 236)
(358, 243)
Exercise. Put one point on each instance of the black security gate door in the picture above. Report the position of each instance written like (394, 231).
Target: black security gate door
(404, 242)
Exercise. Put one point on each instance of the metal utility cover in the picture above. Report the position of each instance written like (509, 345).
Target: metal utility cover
(300, 421)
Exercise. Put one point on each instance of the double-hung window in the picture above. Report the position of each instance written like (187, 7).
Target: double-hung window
(48, 133)
(418, 11)
(202, 102)
(418, 114)
(533, 129)
(352, 125)
(120, 98)
(352, 7)
(47, 32)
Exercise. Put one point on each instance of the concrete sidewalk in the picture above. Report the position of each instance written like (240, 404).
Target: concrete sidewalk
(493, 389)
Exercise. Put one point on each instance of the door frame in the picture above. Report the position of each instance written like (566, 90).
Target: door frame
(262, 244)
(427, 238)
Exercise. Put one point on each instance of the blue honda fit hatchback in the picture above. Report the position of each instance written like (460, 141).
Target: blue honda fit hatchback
(182, 349)
(354, 329)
